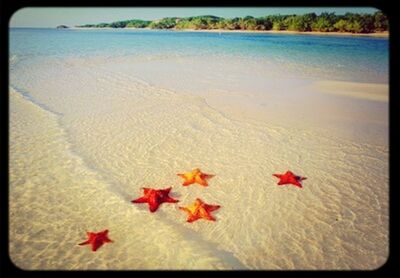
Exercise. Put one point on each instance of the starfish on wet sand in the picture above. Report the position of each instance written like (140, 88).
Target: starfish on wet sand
(96, 239)
(289, 178)
(195, 176)
(199, 210)
(155, 197)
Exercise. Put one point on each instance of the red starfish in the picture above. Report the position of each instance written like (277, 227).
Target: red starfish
(96, 239)
(289, 178)
(155, 197)
(198, 210)
(195, 176)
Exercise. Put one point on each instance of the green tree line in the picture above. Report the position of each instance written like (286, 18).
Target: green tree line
(325, 22)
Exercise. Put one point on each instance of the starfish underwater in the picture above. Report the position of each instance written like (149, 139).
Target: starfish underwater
(96, 239)
(155, 197)
(199, 210)
(195, 176)
(289, 178)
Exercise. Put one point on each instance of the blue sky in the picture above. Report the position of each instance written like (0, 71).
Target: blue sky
(51, 17)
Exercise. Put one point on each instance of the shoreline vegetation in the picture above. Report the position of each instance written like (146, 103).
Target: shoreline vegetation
(326, 23)
(376, 34)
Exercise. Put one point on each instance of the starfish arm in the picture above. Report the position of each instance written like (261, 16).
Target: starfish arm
(207, 176)
(303, 178)
(140, 200)
(298, 184)
(295, 182)
(184, 176)
(96, 245)
(153, 206)
(281, 183)
(187, 182)
(277, 175)
(107, 240)
(187, 211)
(192, 218)
(212, 207)
(170, 200)
(146, 190)
(210, 217)
(85, 242)
(104, 233)
(200, 181)
(205, 211)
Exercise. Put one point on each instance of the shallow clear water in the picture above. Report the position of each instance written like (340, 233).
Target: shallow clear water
(347, 58)
(95, 115)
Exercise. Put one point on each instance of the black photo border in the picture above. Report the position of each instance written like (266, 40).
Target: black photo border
(8, 8)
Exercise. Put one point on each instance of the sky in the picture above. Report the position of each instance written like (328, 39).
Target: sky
(52, 17)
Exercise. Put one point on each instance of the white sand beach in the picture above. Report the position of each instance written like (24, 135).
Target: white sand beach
(99, 130)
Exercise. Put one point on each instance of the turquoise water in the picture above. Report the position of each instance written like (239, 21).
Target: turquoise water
(362, 59)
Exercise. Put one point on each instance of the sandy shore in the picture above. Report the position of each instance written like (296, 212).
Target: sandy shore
(380, 34)
(119, 129)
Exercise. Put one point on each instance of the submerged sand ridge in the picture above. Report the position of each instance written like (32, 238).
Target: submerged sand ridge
(375, 92)
(128, 134)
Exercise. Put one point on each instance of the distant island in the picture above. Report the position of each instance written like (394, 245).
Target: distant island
(311, 22)
(62, 26)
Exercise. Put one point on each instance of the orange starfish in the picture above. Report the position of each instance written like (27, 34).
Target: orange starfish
(195, 176)
(199, 210)
(96, 239)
